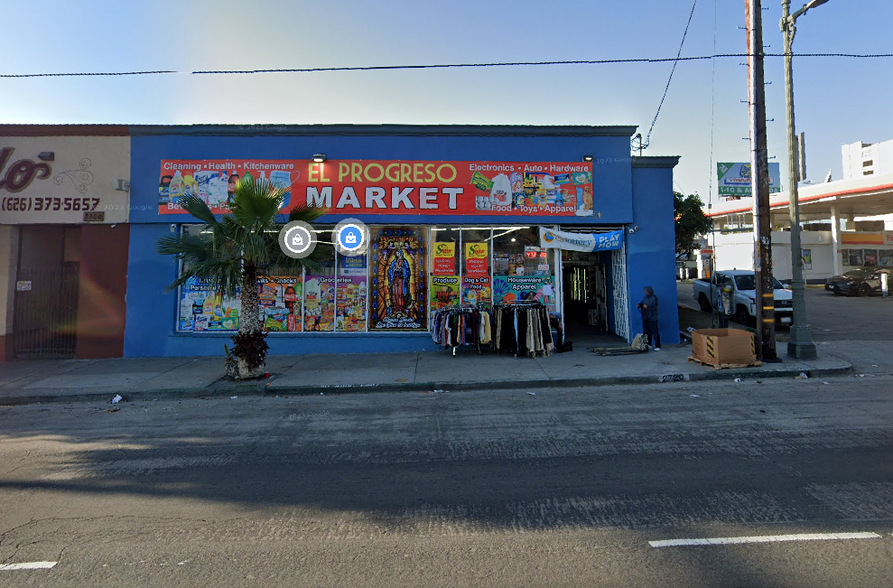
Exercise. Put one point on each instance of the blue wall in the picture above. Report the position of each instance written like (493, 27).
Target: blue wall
(625, 195)
(651, 249)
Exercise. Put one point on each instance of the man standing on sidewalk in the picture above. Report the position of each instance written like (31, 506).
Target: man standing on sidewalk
(648, 306)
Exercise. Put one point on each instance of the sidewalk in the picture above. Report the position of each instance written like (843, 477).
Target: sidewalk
(26, 382)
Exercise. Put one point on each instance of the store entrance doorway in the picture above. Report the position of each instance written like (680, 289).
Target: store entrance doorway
(585, 289)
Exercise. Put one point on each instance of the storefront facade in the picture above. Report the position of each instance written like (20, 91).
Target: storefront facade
(453, 215)
(63, 240)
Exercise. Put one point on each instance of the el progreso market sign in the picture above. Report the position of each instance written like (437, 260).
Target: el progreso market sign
(391, 187)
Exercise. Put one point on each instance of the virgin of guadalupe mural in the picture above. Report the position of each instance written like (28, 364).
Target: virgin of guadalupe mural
(398, 284)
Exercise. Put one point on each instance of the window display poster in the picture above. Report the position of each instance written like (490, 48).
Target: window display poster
(280, 302)
(476, 290)
(351, 303)
(398, 278)
(806, 257)
(508, 289)
(319, 303)
(869, 257)
(202, 309)
(477, 259)
(352, 265)
(444, 292)
(444, 259)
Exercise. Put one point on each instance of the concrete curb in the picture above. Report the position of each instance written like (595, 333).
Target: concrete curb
(260, 388)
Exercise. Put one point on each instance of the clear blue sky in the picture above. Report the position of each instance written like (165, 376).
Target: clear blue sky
(838, 100)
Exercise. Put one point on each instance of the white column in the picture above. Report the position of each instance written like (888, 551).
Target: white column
(835, 239)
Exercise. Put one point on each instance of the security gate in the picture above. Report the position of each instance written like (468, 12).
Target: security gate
(46, 304)
(621, 292)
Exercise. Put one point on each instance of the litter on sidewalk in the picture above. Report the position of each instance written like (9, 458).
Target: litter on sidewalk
(637, 346)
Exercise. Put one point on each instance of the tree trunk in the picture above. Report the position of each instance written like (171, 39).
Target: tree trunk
(237, 366)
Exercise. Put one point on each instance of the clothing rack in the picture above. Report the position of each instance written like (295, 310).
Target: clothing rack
(523, 329)
(454, 326)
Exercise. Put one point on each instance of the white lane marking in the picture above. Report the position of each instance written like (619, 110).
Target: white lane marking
(762, 539)
(29, 565)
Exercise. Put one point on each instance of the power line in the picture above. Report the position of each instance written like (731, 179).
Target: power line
(632, 60)
(644, 144)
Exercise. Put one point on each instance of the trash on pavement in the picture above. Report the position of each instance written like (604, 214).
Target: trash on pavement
(695, 395)
(802, 376)
(233, 397)
(117, 398)
(113, 410)
(532, 393)
(826, 382)
(737, 380)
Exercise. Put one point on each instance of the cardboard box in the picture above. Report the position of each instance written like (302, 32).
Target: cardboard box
(723, 346)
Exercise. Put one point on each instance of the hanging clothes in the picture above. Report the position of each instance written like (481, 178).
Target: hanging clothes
(522, 329)
(452, 327)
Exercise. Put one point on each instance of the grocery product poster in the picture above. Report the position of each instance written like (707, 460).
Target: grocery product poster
(202, 309)
(508, 289)
(444, 263)
(444, 292)
(351, 304)
(319, 303)
(476, 283)
(280, 303)
(476, 290)
(352, 293)
(390, 187)
(398, 281)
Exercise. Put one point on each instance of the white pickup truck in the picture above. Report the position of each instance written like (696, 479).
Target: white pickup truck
(743, 296)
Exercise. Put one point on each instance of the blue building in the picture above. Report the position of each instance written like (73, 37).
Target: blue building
(453, 215)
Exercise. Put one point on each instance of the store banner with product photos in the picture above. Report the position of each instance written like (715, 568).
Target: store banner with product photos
(483, 188)
(588, 242)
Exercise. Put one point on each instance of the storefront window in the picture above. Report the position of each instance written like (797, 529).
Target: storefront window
(398, 279)
(444, 286)
(477, 277)
(522, 270)
(280, 302)
(352, 293)
(870, 257)
(201, 308)
(319, 286)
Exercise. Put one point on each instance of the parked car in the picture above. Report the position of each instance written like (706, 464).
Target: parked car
(861, 281)
(743, 287)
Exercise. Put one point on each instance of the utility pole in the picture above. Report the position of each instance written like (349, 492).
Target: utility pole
(759, 169)
(800, 345)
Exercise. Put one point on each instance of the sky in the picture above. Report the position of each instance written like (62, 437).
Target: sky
(704, 118)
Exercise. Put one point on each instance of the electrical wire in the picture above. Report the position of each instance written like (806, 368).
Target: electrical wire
(631, 60)
(644, 144)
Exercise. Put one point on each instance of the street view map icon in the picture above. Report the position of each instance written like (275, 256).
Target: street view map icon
(297, 239)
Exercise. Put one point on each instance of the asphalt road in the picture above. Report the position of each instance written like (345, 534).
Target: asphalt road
(857, 330)
(555, 488)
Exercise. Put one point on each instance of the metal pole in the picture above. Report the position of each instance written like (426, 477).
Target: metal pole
(800, 344)
(759, 169)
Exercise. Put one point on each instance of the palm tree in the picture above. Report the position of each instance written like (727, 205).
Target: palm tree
(231, 253)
